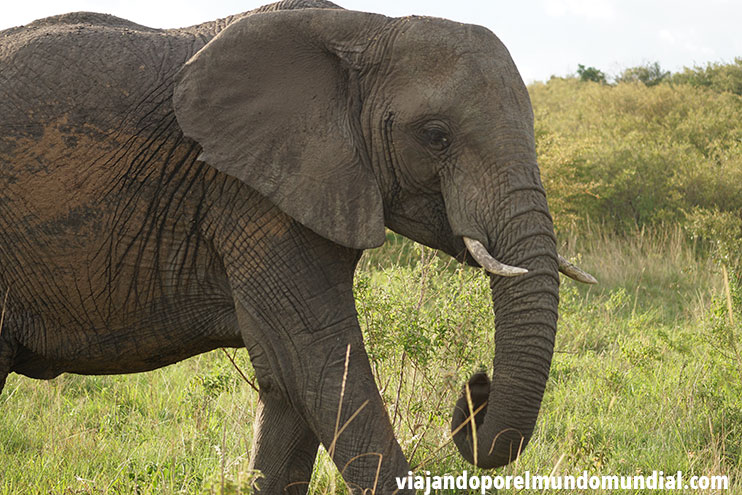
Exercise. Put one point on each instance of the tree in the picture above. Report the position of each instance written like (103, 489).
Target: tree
(590, 74)
(649, 74)
(716, 76)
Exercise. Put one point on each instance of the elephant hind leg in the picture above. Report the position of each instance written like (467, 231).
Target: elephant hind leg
(284, 448)
(7, 355)
(6, 361)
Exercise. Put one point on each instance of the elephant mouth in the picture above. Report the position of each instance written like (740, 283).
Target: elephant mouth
(495, 267)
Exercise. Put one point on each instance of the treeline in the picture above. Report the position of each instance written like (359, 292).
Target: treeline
(647, 148)
(715, 76)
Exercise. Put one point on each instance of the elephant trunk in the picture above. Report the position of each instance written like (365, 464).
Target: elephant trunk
(505, 410)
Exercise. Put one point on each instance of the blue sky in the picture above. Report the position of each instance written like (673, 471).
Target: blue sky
(545, 37)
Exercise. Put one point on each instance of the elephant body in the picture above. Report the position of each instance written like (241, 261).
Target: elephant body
(117, 242)
(94, 178)
(168, 192)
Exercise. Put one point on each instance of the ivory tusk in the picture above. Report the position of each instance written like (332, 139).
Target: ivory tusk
(479, 253)
(574, 272)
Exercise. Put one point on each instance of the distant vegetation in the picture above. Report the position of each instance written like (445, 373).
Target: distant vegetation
(716, 76)
(650, 148)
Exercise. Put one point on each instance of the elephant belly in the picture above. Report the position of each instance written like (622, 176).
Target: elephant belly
(157, 340)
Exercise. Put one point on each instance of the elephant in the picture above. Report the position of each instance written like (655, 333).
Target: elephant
(169, 192)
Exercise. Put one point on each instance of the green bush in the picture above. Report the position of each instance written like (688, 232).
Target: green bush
(630, 155)
(649, 74)
(715, 76)
(590, 74)
(722, 230)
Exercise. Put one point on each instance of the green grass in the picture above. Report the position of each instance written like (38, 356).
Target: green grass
(646, 376)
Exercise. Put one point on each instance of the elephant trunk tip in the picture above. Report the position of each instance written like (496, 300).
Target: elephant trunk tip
(473, 439)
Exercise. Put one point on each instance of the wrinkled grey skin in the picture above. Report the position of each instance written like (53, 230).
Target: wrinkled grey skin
(167, 192)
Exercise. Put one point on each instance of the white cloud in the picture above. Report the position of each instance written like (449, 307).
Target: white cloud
(666, 36)
(589, 9)
(687, 40)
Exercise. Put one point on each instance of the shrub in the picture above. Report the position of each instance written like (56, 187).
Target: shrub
(649, 74)
(715, 76)
(631, 155)
(723, 230)
(590, 74)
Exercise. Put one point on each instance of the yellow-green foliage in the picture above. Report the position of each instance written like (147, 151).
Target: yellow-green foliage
(629, 154)
(716, 76)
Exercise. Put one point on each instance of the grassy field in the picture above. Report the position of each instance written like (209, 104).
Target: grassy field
(646, 376)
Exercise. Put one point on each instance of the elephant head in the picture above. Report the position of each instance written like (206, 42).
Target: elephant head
(350, 122)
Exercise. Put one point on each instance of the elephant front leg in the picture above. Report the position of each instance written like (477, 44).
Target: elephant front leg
(352, 422)
(301, 329)
(284, 447)
(319, 387)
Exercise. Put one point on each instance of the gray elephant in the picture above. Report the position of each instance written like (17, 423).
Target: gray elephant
(168, 192)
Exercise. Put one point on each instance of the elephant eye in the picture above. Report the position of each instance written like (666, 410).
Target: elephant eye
(437, 138)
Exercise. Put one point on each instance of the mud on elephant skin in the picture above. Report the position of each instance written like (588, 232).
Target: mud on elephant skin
(167, 192)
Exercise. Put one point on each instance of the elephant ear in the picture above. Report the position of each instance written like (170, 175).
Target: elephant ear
(274, 101)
